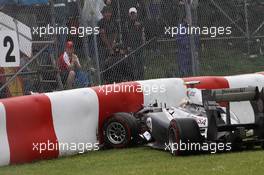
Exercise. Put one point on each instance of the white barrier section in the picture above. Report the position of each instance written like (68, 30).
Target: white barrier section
(4, 145)
(170, 91)
(244, 110)
(75, 118)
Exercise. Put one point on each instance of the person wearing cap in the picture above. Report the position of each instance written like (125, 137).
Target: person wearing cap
(125, 5)
(135, 38)
(108, 31)
(68, 64)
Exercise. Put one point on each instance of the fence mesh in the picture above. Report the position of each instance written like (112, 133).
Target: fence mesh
(136, 47)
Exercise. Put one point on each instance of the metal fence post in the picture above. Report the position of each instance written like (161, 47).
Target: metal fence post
(247, 26)
(85, 45)
(96, 51)
(119, 22)
(192, 40)
(55, 49)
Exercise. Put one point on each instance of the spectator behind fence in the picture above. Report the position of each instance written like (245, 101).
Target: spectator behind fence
(91, 14)
(185, 52)
(153, 26)
(114, 5)
(107, 38)
(124, 6)
(135, 38)
(68, 64)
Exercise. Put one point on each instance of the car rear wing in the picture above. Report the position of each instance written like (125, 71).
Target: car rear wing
(231, 95)
(211, 98)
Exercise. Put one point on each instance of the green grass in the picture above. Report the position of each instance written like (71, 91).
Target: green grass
(215, 59)
(143, 161)
(229, 62)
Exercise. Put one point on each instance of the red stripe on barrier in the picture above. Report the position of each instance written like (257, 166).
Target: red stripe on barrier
(262, 73)
(118, 100)
(209, 82)
(29, 121)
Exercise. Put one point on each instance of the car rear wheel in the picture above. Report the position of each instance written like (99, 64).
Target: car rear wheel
(120, 130)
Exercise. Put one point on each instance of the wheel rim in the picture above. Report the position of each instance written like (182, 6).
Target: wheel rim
(116, 133)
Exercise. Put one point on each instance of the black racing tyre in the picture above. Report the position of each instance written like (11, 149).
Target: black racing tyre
(250, 146)
(120, 130)
(236, 144)
(262, 145)
(183, 131)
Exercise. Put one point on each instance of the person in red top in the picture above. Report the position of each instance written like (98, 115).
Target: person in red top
(68, 64)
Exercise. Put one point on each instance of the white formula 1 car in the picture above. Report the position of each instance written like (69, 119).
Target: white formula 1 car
(198, 122)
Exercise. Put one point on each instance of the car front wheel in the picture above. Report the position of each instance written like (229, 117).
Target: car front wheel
(120, 130)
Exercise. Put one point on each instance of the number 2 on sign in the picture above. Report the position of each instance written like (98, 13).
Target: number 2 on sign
(9, 57)
(9, 49)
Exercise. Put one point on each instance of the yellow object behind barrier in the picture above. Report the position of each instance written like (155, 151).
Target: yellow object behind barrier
(16, 86)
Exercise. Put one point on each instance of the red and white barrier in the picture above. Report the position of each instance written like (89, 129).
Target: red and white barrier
(28, 120)
(4, 146)
(77, 116)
